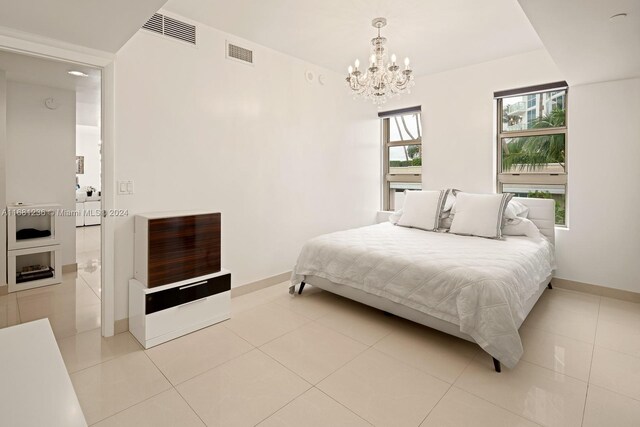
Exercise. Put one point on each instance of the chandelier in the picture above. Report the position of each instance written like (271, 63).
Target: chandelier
(382, 79)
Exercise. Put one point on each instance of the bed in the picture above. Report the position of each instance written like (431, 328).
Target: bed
(477, 289)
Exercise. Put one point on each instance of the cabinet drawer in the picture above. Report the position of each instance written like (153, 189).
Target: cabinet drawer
(187, 317)
(189, 293)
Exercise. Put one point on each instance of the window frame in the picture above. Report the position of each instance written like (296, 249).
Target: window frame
(525, 177)
(386, 144)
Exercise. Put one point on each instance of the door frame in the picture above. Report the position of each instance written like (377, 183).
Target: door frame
(43, 47)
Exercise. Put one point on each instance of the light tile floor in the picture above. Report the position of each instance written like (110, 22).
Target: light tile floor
(320, 360)
(73, 306)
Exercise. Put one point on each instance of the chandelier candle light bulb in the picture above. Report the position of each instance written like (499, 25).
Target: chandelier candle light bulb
(382, 79)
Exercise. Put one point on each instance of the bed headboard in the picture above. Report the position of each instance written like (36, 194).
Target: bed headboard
(543, 213)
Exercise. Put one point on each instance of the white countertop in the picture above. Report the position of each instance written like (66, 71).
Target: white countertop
(35, 388)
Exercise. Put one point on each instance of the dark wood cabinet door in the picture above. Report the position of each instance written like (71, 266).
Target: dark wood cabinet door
(183, 247)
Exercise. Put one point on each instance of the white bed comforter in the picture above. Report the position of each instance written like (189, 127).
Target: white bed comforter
(480, 284)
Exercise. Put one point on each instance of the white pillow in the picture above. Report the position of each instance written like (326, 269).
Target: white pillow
(515, 210)
(422, 209)
(395, 216)
(480, 214)
(520, 227)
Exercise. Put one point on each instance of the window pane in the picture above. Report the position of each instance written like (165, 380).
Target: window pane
(405, 128)
(534, 111)
(534, 154)
(405, 159)
(555, 192)
(396, 193)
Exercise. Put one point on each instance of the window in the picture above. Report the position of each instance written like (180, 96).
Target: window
(401, 155)
(532, 142)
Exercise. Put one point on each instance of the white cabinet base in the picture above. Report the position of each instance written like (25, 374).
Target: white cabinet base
(160, 314)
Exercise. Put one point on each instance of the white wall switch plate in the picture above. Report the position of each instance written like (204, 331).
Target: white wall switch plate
(125, 187)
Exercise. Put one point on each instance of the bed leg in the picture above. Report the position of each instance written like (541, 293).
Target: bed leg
(496, 365)
(301, 287)
(549, 286)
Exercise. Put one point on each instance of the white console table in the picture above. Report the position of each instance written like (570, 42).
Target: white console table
(35, 388)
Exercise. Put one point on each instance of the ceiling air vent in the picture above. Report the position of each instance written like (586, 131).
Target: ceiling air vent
(179, 30)
(154, 24)
(171, 27)
(239, 53)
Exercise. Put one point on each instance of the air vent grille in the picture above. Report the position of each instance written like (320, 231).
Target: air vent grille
(239, 53)
(179, 30)
(171, 27)
(154, 24)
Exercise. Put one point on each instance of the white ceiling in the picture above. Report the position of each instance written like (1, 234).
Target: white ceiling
(47, 72)
(98, 24)
(584, 44)
(436, 35)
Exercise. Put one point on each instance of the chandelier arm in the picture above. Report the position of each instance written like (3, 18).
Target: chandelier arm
(383, 80)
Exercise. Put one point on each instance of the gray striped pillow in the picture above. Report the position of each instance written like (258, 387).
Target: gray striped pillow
(480, 214)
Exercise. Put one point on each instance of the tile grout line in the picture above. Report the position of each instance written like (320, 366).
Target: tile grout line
(593, 352)
(101, 337)
(18, 312)
(208, 369)
(89, 286)
(137, 403)
(496, 404)
(172, 387)
(189, 405)
(290, 371)
(343, 405)
(556, 333)
(451, 385)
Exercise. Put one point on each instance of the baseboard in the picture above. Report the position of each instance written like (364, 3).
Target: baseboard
(596, 290)
(121, 326)
(70, 268)
(4, 290)
(260, 284)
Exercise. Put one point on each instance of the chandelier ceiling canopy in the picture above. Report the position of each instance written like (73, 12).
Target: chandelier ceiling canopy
(383, 78)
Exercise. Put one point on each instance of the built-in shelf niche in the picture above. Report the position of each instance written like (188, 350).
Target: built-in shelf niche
(39, 217)
(39, 251)
(49, 256)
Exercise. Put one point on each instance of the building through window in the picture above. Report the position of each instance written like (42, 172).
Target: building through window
(401, 155)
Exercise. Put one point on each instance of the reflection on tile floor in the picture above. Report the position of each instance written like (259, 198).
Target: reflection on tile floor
(73, 306)
(316, 359)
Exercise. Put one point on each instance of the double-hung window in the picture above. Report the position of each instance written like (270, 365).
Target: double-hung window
(532, 143)
(401, 155)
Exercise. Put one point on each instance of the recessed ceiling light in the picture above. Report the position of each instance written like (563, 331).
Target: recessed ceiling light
(618, 17)
(78, 73)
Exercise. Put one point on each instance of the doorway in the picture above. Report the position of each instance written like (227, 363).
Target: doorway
(53, 119)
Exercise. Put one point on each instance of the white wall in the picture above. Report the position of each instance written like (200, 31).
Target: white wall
(601, 245)
(40, 153)
(282, 159)
(3, 176)
(88, 145)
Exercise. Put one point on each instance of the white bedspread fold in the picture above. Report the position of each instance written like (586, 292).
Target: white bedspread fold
(479, 284)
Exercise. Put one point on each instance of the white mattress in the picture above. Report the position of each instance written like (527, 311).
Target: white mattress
(480, 284)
